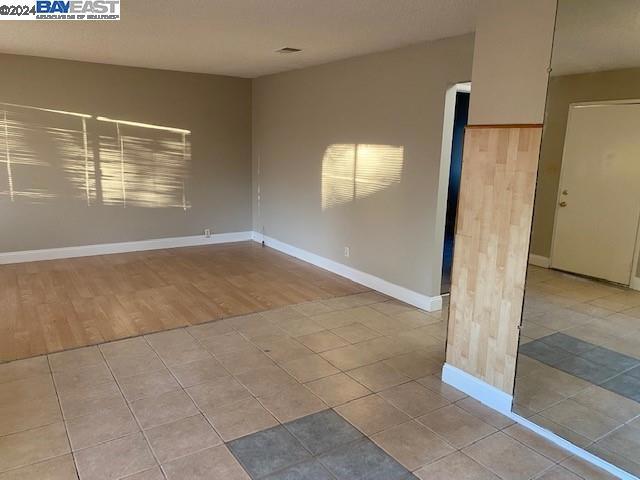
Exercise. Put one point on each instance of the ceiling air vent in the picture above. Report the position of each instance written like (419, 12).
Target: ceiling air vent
(288, 50)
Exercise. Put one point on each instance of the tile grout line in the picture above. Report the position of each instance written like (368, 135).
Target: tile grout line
(383, 335)
(554, 462)
(214, 356)
(234, 376)
(64, 421)
(225, 443)
(411, 418)
(185, 327)
(275, 362)
(135, 418)
(280, 424)
(136, 335)
(240, 382)
(313, 456)
(184, 389)
(200, 411)
(551, 405)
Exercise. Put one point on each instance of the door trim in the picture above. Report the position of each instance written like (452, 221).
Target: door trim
(443, 181)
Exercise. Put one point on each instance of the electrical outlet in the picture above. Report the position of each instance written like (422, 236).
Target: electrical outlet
(346, 252)
(207, 232)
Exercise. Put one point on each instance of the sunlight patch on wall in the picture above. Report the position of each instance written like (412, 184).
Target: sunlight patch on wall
(355, 171)
(144, 165)
(41, 150)
(49, 155)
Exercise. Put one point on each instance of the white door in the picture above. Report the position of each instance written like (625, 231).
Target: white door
(599, 196)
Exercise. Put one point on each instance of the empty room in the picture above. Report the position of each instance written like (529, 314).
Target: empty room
(319, 240)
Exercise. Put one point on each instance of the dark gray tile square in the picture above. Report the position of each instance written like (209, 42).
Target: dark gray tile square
(323, 431)
(634, 372)
(544, 353)
(624, 385)
(586, 370)
(268, 451)
(312, 470)
(363, 460)
(568, 343)
(610, 359)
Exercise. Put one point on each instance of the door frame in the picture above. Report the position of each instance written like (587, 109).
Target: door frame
(443, 181)
(634, 279)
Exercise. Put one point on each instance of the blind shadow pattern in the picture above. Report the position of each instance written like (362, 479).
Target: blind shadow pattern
(52, 155)
(355, 171)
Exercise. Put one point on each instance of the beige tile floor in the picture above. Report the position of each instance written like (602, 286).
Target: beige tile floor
(162, 406)
(590, 416)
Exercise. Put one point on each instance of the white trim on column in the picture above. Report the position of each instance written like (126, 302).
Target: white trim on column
(502, 402)
(121, 247)
(478, 389)
(574, 449)
(430, 304)
(539, 261)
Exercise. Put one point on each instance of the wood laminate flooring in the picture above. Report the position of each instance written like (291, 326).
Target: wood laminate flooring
(61, 304)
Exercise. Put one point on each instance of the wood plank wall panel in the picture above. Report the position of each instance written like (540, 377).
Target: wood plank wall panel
(491, 247)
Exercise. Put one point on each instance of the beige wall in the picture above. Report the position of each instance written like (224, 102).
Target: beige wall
(511, 61)
(50, 207)
(564, 90)
(389, 106)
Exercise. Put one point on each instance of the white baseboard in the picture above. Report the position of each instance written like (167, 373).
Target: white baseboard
(121, 247)
(539, 261)
(501, 402)
(430, 304)
(574, 449)
(478, 389)
(635, 283)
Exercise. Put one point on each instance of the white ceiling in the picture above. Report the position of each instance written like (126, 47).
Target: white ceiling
(238, 37)
(596, 35)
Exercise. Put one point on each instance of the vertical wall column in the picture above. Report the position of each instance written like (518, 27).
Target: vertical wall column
(492, 238)
(502, 144)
